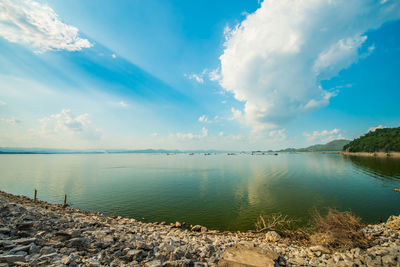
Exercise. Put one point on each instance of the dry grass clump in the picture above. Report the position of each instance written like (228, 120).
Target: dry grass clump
(338, 230)
(282, 224)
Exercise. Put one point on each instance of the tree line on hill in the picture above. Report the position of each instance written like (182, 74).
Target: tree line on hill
(380, 140)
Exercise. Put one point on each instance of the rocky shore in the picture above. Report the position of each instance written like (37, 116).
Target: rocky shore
(43, 234)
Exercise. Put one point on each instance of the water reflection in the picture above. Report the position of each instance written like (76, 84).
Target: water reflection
(218, 191)
(388, 168)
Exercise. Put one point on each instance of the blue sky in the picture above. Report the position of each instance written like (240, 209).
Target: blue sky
(196, 74)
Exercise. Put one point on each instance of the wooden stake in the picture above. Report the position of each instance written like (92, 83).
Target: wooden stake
(35, 197)
(65, 200)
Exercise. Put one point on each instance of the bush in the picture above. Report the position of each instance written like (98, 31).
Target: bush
(338, 230)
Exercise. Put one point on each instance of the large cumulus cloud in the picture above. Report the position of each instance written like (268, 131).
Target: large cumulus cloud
(275, 59)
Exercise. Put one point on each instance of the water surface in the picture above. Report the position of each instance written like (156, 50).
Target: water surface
(218, 191)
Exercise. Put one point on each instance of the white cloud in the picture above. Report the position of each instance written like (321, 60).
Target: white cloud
(114, 56)
(278, 135)
(197, 77)
(11, 120)
(203, 118)
(2, 103)
(123, 104)
(236, 114)
(191, 136)
(275, 59)
(30, 22)
(221, 134)
(215, 75)
(324, 136)
(154, 134)
(64, 123)
(373, 129)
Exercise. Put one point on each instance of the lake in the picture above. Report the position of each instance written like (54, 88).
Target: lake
(218, 191)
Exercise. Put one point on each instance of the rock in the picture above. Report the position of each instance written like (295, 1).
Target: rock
(178, 225)
(47, 256)
(92, 262)
(320, 249)
(4, 264)
(79, 242)
(20, 248)
(33, 249)
(12, 258)
(199, 228)
(389, 260)
(65, 260)
(272, 236)
(25, 225)
(134, 253)
(63, 235)
(153, 263)
(242, 256)
(5, 230)
(24, 241)
(46, 250)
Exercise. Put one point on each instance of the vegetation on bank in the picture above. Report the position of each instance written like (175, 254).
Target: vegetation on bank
(380, 140)
(335, 230)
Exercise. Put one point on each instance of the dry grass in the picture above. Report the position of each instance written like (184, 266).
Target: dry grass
(275, 222)
(338, 230)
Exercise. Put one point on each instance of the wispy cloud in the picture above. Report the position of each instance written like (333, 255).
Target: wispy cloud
(2, 103)
(64, 123)
(191, 136)
(324, 135)
(11, 120)
(196, 77)
(213, 75)
(36, 24)
(373, 129)
(123, 104)
(275, 59)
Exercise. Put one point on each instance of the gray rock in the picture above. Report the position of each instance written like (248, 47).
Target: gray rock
(199, 228)
(389, 260)
(47, 256)
(65, 260)
(153, 263)
(5, 230)
(321, 249)
(20, 248)
(25, 225)
(24, 241)
(12, 258)
(272, 236)
(79, 242)
(46, 250)
(92, 262)
(134, 253)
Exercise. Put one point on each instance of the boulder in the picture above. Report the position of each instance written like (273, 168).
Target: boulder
(272, 236)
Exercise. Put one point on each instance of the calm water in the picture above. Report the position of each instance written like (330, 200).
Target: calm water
(218, 191)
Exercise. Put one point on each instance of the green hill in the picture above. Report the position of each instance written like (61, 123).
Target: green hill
(335, 145)
(380, 140)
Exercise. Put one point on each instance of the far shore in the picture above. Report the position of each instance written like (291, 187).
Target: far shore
(372, 154)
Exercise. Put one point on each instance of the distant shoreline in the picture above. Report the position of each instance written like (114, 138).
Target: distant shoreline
(372, 154)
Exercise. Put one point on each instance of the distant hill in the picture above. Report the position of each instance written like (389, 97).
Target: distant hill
(335, 145)
(380, 140)
(18, 150)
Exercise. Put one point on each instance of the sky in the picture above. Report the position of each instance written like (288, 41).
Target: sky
(200, 74)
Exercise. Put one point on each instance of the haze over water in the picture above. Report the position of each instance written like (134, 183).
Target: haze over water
(218, 191)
